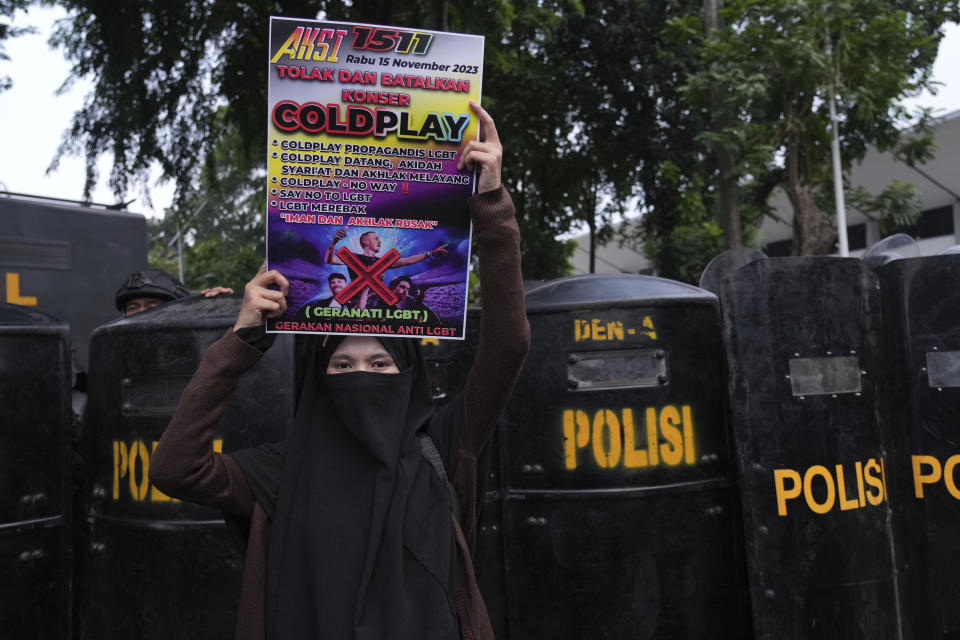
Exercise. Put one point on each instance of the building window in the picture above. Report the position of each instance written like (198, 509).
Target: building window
(857, 236)
(932, 223)
(778, 249)
(856, 239)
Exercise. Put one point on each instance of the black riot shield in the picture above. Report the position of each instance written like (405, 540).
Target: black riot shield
(803, 349)
(448, 361)
(619, 508)
(35, 435)
(921, 316)
(154, 567)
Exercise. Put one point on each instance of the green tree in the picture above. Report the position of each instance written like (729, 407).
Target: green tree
(220, 218)
(7, 30)
(586, 94)
(528, 98)
(172, 79)
(639, 133)
(682, 239)
(774, 66)
(605, 109)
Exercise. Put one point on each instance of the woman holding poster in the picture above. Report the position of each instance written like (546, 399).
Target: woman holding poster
(352, 529)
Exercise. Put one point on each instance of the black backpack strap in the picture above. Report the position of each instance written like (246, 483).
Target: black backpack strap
(430, 452)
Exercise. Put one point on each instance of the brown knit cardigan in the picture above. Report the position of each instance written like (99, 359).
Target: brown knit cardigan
(185, 466)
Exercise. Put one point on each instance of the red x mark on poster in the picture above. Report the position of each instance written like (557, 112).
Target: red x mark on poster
(367, 277)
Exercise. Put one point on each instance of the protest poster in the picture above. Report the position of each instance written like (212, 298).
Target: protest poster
(366, 209)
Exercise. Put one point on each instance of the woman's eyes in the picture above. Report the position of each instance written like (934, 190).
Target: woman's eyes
(375, 365)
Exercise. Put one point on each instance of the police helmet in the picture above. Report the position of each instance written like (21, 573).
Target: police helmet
(152, 283)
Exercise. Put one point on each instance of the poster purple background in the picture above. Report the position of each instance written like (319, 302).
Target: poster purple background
(363, 139)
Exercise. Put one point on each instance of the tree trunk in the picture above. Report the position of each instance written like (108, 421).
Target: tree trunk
(440, 15)
(726, 162)
(729, 201)
(813, 233)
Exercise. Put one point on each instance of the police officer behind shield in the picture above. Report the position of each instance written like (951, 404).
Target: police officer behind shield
(150, 288)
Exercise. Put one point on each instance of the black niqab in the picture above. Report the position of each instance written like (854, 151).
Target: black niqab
(361, 544)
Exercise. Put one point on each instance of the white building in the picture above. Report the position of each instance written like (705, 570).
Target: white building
(611, 258)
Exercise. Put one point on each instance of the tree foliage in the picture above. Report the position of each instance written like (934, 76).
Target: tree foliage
(531, 109)
(774, 65)
(582, 90)
(600, 104)
(683, 238)
(7, 30)
(598, 88)
(220, 219)
(172, 79)
(635, 113)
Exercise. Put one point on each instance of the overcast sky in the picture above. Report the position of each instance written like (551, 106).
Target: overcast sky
(33, 118)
